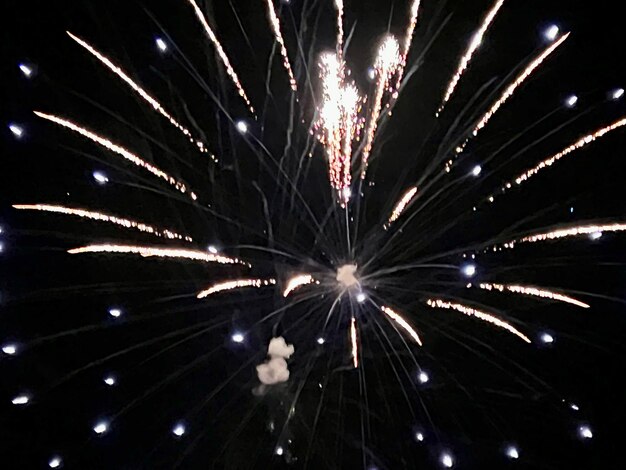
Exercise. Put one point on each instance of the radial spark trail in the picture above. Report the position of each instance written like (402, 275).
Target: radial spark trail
(533, 291)
(339, 7)
(471, 49)
(353, 340)
(149, 251)
(279, 37)
(104, 218)
(582, 142)
(517, 82)
(408, 38)
(298, 281)
(387, 64)
(567, 232)
(220, 51)
(140, 91)
(237, 284)
(403, 323)
(401, 205)
(469, 311)
(117, 149)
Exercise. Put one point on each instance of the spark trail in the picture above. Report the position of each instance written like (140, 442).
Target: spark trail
(533, 291)
(279, 38)
(297, 282)
(403, 323)
(402, 205)
(237, 284)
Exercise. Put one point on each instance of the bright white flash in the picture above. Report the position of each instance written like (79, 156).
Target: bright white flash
(360, 297)
(178, 430)
(212, 249)
(419, 436)
(551, 33)
(346, 275)
(18, 131)
(101, 427)
(161, 44)
(55, 462)
(469, 270)
(423, 377)
(547, 338)
(585, 432)
(320, 340)
(371, 73)
(26, 70)
(617, 94)
(237, 338)
(100, 177)
(109, 380)
(476, 170)
(571, 101)
(20, 400)
(447, 460)
(279, 450)
(242, 127)
(9, 349)
(115, 312)
(595, 235)
(512, 452)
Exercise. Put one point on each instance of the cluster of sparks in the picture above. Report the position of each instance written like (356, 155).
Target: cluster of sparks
(533, 291)
(342, 117)
(236, 284)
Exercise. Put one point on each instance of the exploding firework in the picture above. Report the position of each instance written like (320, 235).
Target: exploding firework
(307, 245)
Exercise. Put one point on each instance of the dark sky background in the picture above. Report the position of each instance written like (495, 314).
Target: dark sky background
(172, 354)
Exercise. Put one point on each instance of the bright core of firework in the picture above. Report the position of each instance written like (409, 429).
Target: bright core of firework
(346, 276)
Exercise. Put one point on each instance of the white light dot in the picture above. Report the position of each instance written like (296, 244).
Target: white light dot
(161, 44)
(490, 198)
(617, 94)
(574, 406)
(55, 462)
(347, 192)
(423, 377)
(571, 101)
(212, 249)
(469, 270)
(419, 436)
(242, 127)
(21, 400)
(109, 380)
(237, 338)
(1, 247)
(547, 338)
(100, 177)
(476, 170)
(26, 70)
(101, 427)
(595, 235)
(115, 312)
(360, 297)
(585, 432)
(321, 340)
(512, 452)
(1, 229)
(9, 349)
(17, 130)
(447, 460)
(279, 450)
(571, 210)
(179, 430)
(551, 32)
(371, 73)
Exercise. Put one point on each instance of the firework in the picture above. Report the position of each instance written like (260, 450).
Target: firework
(83, 213)
(118, 150)
(474, 44)
(140, 91)
(220, 51)
(237, 284)
(402, 204)
(387, 63)
(339, 7)
(297, 282)
(472, 312)
(354, 343)
(279, 38)
(567, 232)
(403, 323)
(157, 252)
(533, 291)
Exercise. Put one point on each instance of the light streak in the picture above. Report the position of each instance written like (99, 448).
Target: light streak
(403, 323)
(298, 281)
(402, 204)
(469, 53)
(139, 90)
(387, 64)
(339, 7)
(220, 51)
(236, 284)
(118, 150)
(151, 251)
(353, 340)
(567, 232)
(279, 37)
(582, 142)
(103, 218)
(534, 291)
(471, 312)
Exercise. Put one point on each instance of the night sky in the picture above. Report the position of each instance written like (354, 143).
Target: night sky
(172, 355)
